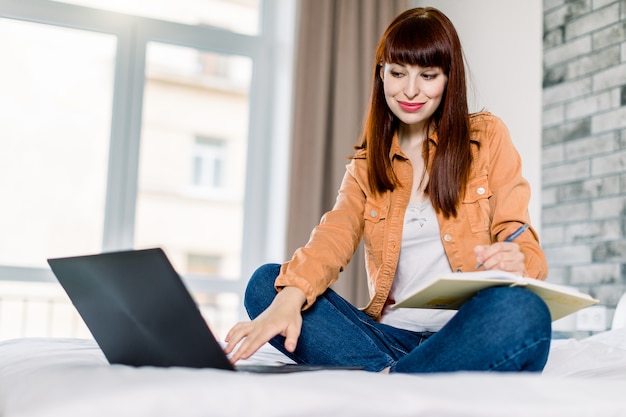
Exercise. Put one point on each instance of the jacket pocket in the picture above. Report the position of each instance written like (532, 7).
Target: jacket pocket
(476, 204)
(374, 219)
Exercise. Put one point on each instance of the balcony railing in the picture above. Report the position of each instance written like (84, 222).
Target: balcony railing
(42, 309)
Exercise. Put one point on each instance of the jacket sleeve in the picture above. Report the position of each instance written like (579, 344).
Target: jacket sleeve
(314, 267)
(509, 202)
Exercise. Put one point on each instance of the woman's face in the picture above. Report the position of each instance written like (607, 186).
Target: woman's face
(413, 93)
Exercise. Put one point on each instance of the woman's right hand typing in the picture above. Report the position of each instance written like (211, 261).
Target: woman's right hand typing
(282, 317)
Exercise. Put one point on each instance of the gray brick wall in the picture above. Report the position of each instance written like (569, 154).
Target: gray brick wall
(584, 145)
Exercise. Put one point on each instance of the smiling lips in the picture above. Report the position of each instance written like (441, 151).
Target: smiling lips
(410, 107)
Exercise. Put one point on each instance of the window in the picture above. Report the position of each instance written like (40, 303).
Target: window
(209, 162)
(131, 127)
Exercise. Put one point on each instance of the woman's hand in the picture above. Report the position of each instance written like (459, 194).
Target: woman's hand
(282, 317)
(505, 256)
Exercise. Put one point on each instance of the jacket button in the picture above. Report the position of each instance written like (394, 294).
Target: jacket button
(373, 213)
(447, 237)
(480, 191)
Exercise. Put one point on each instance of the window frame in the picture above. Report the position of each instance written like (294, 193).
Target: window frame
(268, 141)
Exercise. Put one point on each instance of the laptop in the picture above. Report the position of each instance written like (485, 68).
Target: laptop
(141, 314)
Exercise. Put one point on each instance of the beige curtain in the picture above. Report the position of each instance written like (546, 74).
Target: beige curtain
(335, 52)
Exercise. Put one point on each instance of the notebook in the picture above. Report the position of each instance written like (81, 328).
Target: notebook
(141, 314)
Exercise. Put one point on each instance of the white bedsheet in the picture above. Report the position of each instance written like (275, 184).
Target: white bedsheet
(70, 377)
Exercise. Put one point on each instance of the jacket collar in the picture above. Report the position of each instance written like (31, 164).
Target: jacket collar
(395, 149)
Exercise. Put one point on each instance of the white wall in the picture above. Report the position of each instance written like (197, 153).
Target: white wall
(503, 46)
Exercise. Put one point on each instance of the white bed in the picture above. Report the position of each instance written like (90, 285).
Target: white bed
(70, 377)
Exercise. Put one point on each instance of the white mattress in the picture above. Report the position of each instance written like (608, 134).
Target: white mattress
(70, 377)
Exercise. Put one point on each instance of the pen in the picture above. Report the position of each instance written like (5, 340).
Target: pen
(511, 238)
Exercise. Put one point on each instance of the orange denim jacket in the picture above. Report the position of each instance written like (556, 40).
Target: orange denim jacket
(495, 204)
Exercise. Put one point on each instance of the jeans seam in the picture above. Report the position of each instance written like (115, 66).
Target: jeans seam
(392, 362)
(519, 352)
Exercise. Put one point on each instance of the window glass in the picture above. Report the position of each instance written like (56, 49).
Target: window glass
(203, 264)
(220, 311)
(217, 13)
(55, 113)
(192, 163)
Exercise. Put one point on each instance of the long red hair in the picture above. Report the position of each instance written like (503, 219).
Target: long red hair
(424, 37)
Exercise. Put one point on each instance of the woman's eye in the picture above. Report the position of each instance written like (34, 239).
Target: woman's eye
(396, 74)
(429, 76)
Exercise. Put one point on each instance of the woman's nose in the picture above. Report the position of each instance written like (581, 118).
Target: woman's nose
(411, 89)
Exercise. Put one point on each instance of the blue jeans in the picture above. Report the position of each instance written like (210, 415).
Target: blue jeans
(500, 329)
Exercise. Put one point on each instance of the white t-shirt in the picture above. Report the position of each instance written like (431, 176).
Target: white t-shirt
(422, 260)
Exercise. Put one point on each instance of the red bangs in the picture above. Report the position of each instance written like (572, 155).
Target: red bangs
(424, 44)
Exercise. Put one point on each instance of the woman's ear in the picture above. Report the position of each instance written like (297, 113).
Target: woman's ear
(381, 72)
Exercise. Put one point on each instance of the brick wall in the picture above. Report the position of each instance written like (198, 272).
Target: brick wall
(584, 145)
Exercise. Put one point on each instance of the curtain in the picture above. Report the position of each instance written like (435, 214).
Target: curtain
(335, 51)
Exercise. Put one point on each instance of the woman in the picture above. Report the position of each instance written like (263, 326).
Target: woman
(431, 189)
